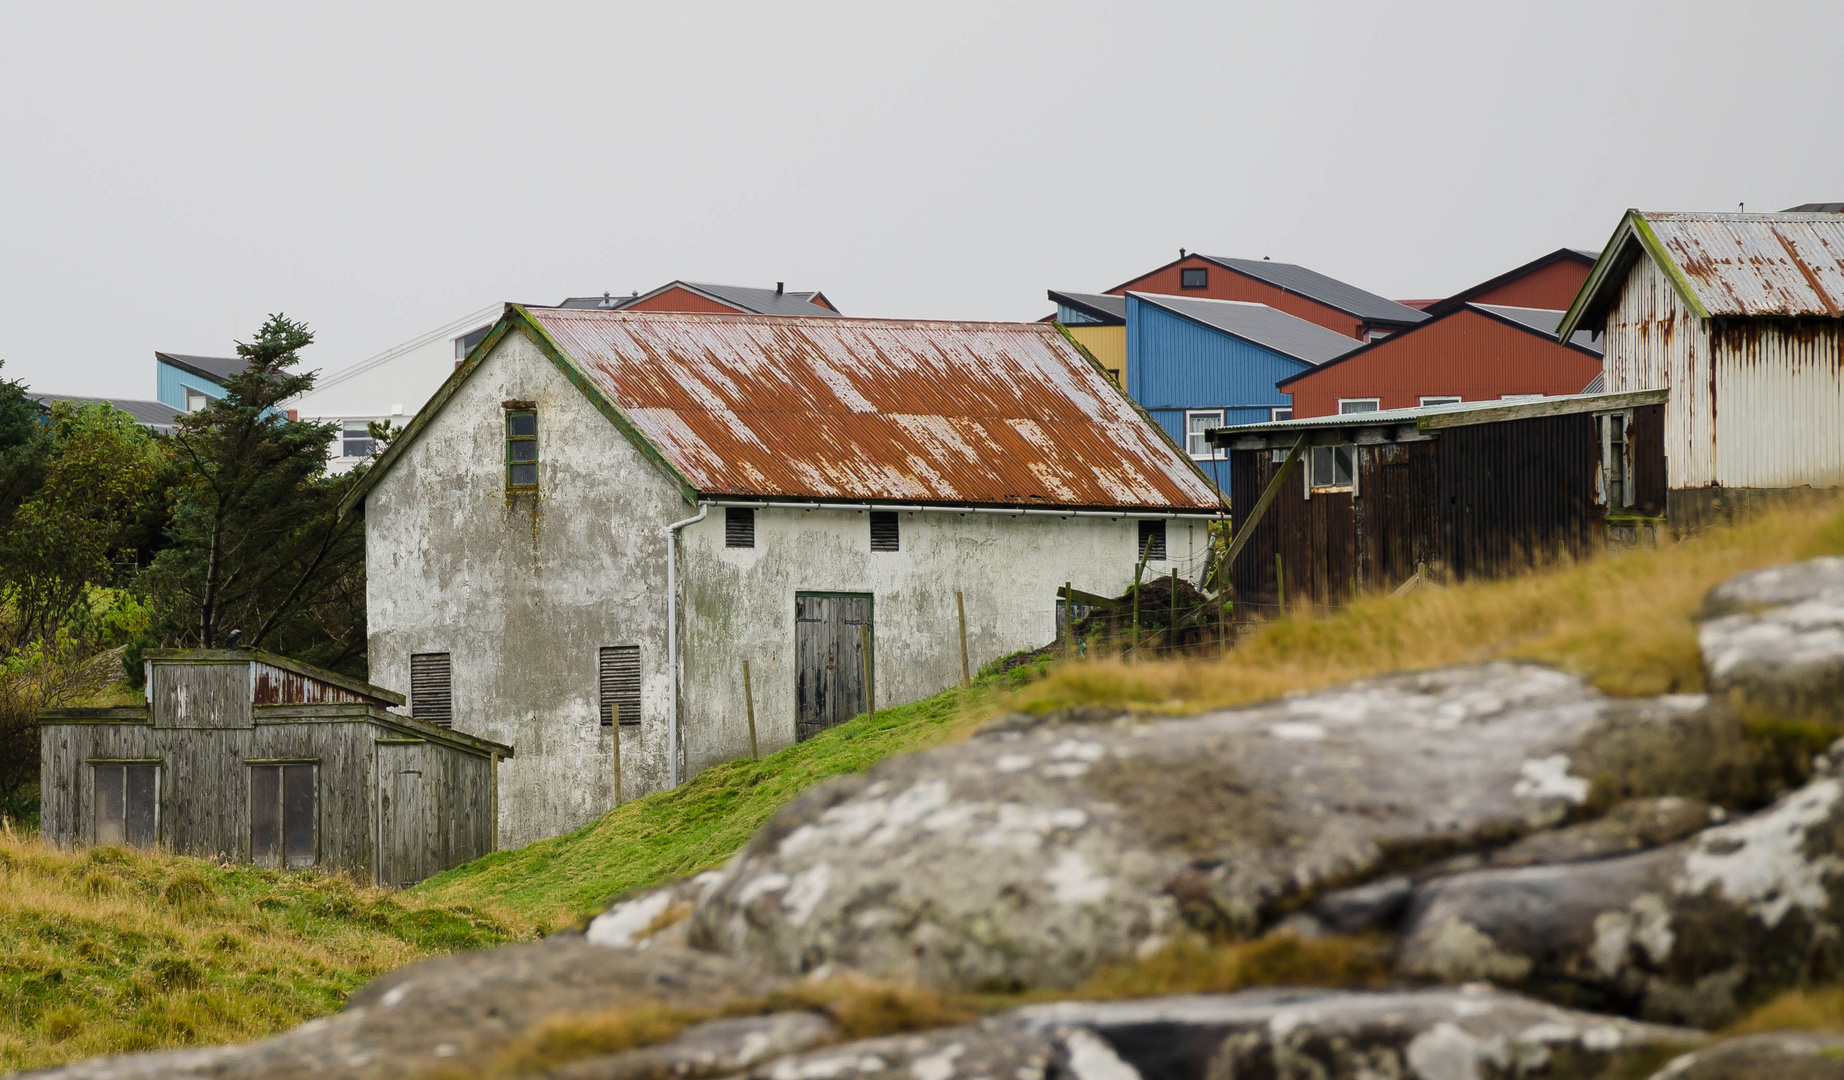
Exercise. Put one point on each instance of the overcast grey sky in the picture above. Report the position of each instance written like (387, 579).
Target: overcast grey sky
(175, 172)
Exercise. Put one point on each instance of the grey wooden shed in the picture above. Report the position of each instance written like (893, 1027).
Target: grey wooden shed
(252, 757)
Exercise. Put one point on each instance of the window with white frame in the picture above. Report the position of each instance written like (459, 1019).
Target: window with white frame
(1333, 468)
(1439, 400)
(355, 439)
(1197, 423)
(1358, 404)
(196, 400)
(1281, 412)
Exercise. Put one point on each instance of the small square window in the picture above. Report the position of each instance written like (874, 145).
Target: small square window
(1281, 413)
(1333, 467)
(739, 527)
(355, 439)
(1152, 540)
(196, 400)
(1194, 277)
(1197, 423)
(884, 530)
(522, 448)
(1358, 405)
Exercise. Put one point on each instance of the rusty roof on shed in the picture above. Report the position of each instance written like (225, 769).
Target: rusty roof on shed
(877, 410)
(1733, 265)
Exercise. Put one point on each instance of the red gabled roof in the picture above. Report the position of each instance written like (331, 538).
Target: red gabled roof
(877, 410)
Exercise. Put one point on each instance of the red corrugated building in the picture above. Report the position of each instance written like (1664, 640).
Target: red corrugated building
(1550, 281)
(1475, 352)
(1286, 287)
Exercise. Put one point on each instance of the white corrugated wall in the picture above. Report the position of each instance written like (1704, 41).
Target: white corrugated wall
(1780, 391)
(1653, 340)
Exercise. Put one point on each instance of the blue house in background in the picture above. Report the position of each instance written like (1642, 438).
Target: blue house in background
(1195, 364)
(185, 383)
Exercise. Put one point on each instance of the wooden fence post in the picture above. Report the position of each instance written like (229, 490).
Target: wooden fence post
(749, 703)
(1171, 624)
(1280, 582)
(1069, 618)
(870, 674)
(614, 736)
(960, 609)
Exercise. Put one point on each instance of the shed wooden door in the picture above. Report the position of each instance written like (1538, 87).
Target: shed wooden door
(402, 848)
(829, 660)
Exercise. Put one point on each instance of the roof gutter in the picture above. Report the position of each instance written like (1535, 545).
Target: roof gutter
(672, 642)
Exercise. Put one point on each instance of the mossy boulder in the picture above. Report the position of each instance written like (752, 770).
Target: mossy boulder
(1773, 641)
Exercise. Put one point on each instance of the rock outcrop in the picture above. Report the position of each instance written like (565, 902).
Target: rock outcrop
(1771, 1056)
(1773, 640)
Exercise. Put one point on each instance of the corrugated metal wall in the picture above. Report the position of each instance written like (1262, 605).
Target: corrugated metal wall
(1553, 287)
(1108, 344)
(1222, 283)
(1755, 403)
(1174, 363)
(1465, 353)
(1517, 493)
(171, 384)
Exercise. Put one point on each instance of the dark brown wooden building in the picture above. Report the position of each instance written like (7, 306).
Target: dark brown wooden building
(249, 756)
(1477, 489)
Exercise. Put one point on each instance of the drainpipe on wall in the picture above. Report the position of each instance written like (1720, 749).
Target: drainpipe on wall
(672, 642)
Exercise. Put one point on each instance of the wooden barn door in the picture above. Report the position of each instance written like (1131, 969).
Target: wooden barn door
(402, 848)
(829, 659)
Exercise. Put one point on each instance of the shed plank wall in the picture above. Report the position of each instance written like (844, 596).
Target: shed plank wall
(200, 695)
(1517, 493)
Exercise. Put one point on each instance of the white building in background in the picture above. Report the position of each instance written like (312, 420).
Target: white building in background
(391, 386)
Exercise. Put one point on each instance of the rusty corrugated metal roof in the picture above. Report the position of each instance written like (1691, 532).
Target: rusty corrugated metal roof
(1758, 264)
(877, 410)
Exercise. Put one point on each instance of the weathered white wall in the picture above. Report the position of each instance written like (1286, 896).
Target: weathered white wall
(739, 603)
(523, 596)
(1757, 404)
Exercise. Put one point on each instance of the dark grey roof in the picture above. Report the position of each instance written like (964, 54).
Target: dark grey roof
(604, 302)
(1816, 208)
(1542, 320)
(1307, 342)
(1100, 305)
(215, 368)
(152, 414)
(1328, 291)
(763, 301)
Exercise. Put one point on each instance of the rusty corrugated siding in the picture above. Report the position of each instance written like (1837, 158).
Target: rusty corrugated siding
(880, 410)
(1758, 264)
(279, 686)
(1653, 339)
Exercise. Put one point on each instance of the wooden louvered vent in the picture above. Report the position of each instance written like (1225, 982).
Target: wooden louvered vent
(884, 530)
(620, 683)
(431, 689)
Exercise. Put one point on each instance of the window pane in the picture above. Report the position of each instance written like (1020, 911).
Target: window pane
(1322, 466)
(1282, 414)
(1358, 406)
(266, 815)
(524, 476)
(1193, 279)
(1343, 464)
(141, 804)
(522, 423)
(356, 448)
(522, 450)
(108, 804)
(298, 815)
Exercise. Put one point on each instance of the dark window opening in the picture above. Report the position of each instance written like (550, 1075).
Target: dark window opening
(431, 688)
(884, 530)
(127, 805)
(465, 344)
(1194, 278)
(522, 448)
(619, 684)
(1152, 540)
(739, 527)
(1333, 466)
(283, 816)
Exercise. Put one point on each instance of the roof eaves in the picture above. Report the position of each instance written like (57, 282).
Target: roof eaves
(1610, 273)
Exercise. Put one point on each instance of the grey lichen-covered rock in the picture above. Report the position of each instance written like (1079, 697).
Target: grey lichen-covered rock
(1777, 1055)
(713, 1048)
(1029, 857)
(1631, 826)
(1474, 1033)
(993, 1050)
(1687, 933)
(1774, 639)
(650, 918)
(453, 1014)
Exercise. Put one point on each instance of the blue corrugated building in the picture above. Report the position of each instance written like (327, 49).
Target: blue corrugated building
(1196, 364)
(185, 382)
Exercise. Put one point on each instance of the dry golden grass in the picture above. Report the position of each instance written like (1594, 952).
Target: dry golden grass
(1192, 965)
(108, 950)
(1807, 1009)
(1624, 621)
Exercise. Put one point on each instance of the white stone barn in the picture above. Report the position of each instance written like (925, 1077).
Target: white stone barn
(1741, 316)
(605, 509)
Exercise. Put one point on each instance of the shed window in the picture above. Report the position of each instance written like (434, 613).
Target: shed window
(431, 689)
(522, 448)
(1333, 467)
(127, 805)
(1357, 405)
(355, 439)
(1194, 277)
(1426, 400)
(884, 530)
(283, 816)
(618, 675)
(1616, 463)
(1152, 540)
(1197, 422)
(739, 527)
